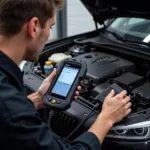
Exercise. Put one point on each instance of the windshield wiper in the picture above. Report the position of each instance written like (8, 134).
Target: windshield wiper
(137, 43)
(129, 42)
(117, 36)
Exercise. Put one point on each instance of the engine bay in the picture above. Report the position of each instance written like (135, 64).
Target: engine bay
(105, 71)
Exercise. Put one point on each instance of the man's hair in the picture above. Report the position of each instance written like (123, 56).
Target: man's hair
(15, 13)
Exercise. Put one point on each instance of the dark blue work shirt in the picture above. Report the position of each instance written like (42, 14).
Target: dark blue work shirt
(20, 125)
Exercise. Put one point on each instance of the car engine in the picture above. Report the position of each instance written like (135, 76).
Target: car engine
(104, 72)
(100, 68)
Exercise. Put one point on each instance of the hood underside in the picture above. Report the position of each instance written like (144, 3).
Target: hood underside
(102, 10)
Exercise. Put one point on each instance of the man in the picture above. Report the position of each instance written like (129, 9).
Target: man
(24, 29)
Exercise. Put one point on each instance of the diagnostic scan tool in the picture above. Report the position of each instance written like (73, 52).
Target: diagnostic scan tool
(62, 90)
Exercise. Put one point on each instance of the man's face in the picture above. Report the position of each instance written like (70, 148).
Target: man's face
(39, 37)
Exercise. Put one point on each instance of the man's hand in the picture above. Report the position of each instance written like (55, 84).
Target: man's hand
(114, 109)
(37, 97)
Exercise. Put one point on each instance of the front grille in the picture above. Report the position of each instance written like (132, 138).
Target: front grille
(62, 124)
(28, 90)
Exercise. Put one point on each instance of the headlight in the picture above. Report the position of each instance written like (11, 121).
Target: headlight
(136, 131)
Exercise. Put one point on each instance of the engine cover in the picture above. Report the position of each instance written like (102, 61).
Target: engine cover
(101, 66)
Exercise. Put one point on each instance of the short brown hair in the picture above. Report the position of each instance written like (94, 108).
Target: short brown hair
(15, 13)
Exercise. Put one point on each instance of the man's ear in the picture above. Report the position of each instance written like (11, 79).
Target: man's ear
(34, 28)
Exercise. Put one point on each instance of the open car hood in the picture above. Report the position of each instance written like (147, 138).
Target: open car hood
(102, 10)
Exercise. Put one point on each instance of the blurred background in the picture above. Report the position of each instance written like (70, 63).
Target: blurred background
(73, 19)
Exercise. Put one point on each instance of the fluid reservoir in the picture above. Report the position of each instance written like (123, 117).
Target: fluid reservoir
(58, 57)
(48, 68)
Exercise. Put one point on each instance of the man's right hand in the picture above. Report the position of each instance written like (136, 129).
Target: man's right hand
(114, 109)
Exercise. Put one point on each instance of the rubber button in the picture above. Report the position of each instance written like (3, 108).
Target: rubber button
(58, 102)
(49, 99)
(53, 101)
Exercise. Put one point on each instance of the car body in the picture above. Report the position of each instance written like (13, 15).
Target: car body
(118, 53)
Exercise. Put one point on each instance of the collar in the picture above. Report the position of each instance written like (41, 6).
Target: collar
(10, 67)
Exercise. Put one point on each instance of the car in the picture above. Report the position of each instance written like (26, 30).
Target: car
(117, 56)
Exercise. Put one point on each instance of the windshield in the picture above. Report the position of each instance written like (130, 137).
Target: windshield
(135, 29)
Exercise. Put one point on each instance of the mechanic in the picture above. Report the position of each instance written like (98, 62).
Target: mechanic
(24, 29)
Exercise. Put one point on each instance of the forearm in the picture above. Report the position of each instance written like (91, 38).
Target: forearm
(36, 98)
(101, 127)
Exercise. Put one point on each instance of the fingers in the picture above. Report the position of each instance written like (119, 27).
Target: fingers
(76, 97)
(51, 76)
(77, 93)
(128, 105)
(79, 88)
(126, 99)
(123, 93)
(111, 94)
(128, 112)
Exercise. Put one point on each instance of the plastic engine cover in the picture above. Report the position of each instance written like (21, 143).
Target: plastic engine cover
(101, 66)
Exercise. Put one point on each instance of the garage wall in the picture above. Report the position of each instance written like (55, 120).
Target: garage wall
(53, 33)
(79, 19)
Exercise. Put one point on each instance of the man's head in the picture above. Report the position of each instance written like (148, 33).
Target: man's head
(30, 18)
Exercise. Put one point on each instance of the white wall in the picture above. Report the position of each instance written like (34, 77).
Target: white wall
(53, 32)
(79, 20)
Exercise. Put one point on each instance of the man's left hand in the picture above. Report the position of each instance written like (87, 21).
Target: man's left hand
(37, 97)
